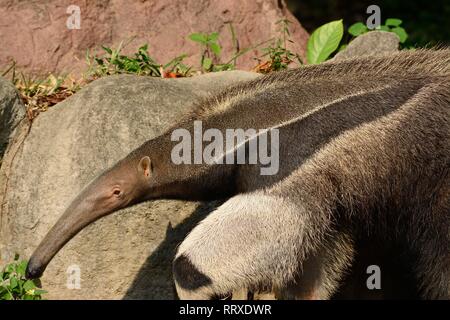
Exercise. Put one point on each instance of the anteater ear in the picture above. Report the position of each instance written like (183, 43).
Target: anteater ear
(145, 166)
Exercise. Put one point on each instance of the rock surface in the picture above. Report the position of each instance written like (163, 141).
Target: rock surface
(45, 44)
(12, 111)
(129, 253)
(370, 44)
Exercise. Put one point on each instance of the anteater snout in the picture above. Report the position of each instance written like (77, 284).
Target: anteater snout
(34, 269)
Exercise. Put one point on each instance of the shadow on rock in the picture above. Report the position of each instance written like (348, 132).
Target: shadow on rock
(152, 279)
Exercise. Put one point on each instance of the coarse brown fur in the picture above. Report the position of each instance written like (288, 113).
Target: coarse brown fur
(364, 148)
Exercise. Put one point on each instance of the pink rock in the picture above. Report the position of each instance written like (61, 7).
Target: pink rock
(35, 35)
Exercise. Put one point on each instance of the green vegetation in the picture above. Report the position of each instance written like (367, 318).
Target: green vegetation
(427, 23)
(141, 63)
(211, 51)
(279, 56)
(40, 94)
(14, 286)
(210, 58)
(324, 41)
(390, 25)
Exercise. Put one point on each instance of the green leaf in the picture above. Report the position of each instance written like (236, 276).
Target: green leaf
(324, 41)
(401, 33)
(198, 37)
(21, 268)
(13, 282)
(39, 292)
(357, 29)
(143, 48)
(175, 61)
(393, 22)
(222, 67)
(384, 28)
(213, 37)
(10, 268)
(6, 296)
(207, 63)
(215, 48)
(29, 285)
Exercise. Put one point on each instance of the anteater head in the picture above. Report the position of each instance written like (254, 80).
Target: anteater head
(126, 183)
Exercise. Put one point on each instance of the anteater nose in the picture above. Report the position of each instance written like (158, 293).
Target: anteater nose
(34, 270)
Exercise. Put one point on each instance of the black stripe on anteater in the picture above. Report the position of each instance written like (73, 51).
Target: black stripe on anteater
(187, 275)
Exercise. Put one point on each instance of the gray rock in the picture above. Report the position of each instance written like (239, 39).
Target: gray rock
(370, 44)
(129, 253)
(12, 111)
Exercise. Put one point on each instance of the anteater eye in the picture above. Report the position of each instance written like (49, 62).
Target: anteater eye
(116, 192)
